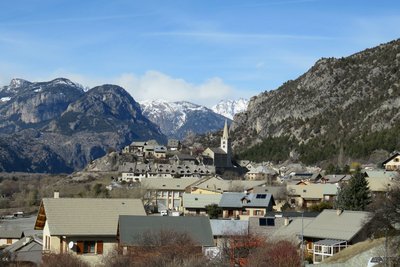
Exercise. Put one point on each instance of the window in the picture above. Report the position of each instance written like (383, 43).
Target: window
(258, 212)
(9, 241)
(47, 243)
(266, 222)
(270, 221)
(89, 246)
(86, 247)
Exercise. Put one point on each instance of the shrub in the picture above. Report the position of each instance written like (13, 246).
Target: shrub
(62, 260)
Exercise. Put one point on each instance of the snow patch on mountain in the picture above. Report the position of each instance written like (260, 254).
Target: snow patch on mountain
(229, 108)
(176, 119)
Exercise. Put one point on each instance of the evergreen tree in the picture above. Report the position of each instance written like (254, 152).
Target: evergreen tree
(213, 211)
(356, 195)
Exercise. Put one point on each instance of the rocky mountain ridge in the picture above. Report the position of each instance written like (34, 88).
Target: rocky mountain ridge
(334, 106)
(178, 119)
(58, 127)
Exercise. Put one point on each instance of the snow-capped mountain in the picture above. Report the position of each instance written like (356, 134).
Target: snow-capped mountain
(229, 108)
(177, 119)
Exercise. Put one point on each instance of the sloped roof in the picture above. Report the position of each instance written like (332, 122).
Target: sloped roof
(274, 190)
(186, 157)
(234, 200)
(217, 150)
(229, 227)
(200, 200)
(160, 149)
(390, 158)
(304, 176)
(10, 232)
(380, 180)
(197, 227)
(168, 183)
(312, 191)
(330, 225)
(221, 185)
(262, 169)
(85, 216)
(293, 229)
(138, 144)
(25, 244)
(334, 178)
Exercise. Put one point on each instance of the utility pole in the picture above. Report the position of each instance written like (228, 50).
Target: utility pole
(302, 238)
(387, 226)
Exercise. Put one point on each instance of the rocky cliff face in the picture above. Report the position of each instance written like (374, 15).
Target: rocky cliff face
(57, 127)
(336, 101)
(26, 105)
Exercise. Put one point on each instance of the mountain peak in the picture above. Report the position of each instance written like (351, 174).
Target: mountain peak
(18, 83)
(177, 119)
(229, 108)
(65, 81)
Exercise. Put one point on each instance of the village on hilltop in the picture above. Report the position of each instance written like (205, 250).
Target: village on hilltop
(222, 205)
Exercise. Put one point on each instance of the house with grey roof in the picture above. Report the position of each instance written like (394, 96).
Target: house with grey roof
(86, 227)
(278, 192)
(26, 249)
(244, 205)
(305, 176)
(9, 235)
(160, 152)
(223, 230)
(195, 204)
(392, 163)
(335, 178)
(333, 230)
(183, 159)
(261, 173)
(166, 193)
(380, 181)
(132, 230)
(325, 234)
(307, 195)
(173, 144)
(213, 184)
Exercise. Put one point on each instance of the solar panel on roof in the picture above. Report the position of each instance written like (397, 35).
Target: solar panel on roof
(261, 196)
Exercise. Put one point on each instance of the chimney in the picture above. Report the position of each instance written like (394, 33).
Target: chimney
(286, 221)
(338, 212)
(56, 194)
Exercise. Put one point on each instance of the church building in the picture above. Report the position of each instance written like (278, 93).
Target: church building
(220, 157)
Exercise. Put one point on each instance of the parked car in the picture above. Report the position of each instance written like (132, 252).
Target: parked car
(373, 261)
(164, 212)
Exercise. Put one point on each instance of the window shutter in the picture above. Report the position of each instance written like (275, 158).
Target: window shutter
(99, 247)
(79, 247)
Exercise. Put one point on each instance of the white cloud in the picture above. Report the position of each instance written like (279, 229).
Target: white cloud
(156, 85)
(153, 85)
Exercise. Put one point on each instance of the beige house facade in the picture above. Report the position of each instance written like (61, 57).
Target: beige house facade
(392, 163)
(85, 227)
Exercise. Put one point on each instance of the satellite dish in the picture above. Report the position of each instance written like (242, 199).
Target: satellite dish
(71, 244)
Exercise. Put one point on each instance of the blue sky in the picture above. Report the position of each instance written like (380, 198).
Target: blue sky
(201, 51)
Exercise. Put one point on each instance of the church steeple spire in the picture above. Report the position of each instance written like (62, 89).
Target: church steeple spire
(225, 135)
